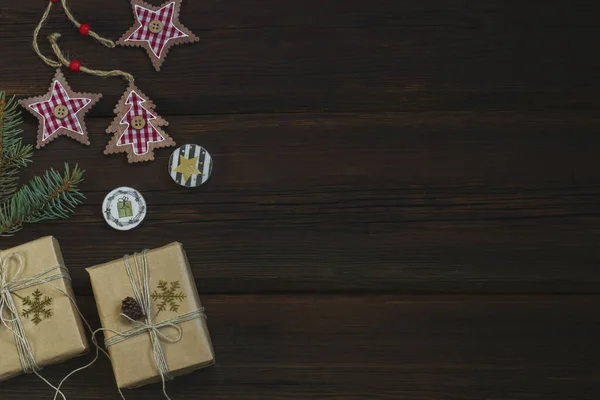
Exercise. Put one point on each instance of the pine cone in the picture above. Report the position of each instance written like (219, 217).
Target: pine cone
(132, 309)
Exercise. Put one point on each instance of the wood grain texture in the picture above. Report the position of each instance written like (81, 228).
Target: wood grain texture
(256, 56)
(405, 201)
(375, 347)
(444, 202)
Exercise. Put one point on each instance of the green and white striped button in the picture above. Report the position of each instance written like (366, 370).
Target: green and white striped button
(190, 165)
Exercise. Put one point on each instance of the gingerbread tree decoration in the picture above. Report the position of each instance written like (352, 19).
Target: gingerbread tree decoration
(136, 128)
(157, 29)
(61, 111)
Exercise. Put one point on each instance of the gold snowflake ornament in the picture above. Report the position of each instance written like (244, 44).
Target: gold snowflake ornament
(168, 294)
(38, 308)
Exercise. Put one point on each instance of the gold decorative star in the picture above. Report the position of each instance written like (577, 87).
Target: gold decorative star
(187, 167)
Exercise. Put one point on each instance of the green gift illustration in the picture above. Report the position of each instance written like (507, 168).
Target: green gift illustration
(124, 207)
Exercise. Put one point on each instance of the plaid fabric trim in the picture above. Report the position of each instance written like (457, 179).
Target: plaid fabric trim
(157, 41)
(59, 97)
(139, 139)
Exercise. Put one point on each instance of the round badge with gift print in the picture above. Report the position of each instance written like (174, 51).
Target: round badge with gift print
(190, 165)
(124, 208)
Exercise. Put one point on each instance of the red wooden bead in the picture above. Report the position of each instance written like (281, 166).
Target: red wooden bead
(54, 1)
(84, 29)
(74, 66)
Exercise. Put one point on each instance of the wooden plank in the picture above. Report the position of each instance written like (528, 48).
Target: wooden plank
(398, 202)
(365, 147)
(270, 56)
(375, 347)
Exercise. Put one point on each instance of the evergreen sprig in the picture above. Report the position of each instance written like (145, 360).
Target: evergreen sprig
(51, 196)
(13, 154)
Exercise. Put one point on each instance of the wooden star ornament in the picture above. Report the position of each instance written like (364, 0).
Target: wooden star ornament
(61, 111)
(157, 29)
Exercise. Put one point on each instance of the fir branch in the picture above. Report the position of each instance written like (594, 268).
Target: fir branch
(13, 154)
(52, 196)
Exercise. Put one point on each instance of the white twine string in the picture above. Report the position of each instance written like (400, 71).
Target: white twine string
(141, 327)
(9, 285)
(139, 277)
(140, 283)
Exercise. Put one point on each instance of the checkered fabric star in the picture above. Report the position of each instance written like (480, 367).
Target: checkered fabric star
(136, 129)
(61, 111)
(157, 29)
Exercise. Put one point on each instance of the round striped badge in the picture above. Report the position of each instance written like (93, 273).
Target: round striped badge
(190, 165)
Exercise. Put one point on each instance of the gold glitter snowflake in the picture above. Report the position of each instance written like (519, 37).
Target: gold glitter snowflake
(38, 307)
(168, 295)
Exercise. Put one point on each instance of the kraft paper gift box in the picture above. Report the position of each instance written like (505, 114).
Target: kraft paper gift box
(173, 294)
(50, 320)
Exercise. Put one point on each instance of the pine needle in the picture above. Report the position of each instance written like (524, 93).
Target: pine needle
(13, 154)
(51, 196)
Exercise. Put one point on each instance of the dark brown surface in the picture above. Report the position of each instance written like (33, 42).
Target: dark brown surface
(442, 152)
(374, 347)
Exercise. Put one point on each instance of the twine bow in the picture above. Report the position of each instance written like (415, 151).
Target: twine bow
(9, 315)
(139, 276)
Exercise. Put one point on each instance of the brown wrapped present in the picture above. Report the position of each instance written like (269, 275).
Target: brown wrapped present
(41, 325)
(151, 315)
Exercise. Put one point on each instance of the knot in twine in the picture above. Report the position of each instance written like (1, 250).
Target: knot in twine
(139, 276)
(9, 315)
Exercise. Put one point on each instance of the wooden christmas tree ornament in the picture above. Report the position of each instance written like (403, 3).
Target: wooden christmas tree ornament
(136, 128)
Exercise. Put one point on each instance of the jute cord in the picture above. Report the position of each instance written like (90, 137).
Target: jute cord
(106, 42)
(36, 32)
(139, 276)
(53, 38)
(10, 318)
(140, 283)
(62, 60)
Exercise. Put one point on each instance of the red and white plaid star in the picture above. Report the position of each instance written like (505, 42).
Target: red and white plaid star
(61, 111)
(158, 40)
(60, 97)
(157, 29)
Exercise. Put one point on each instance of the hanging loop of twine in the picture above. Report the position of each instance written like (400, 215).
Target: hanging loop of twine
(9, 314)
(36, 33)
(139, 276)
(62, 60)
(53, 38)
(104, 41)
(53, 63)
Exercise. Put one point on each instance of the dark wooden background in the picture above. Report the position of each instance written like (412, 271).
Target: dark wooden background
(405, 202)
